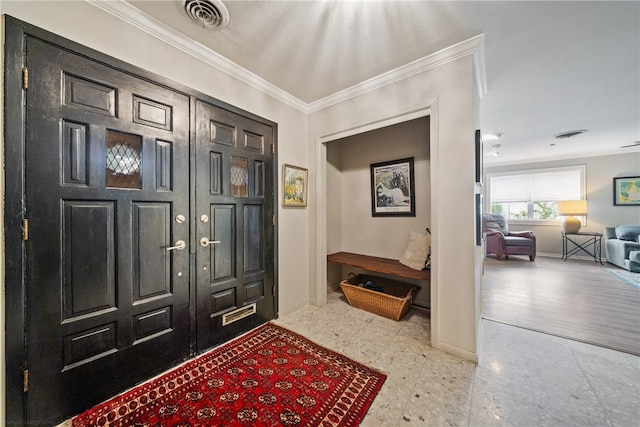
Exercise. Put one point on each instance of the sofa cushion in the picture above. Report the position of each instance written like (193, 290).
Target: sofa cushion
(634, 256)
(628, 232)
(517, 241)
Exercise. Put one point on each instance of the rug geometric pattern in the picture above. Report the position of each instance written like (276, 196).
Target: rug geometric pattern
(268, 377)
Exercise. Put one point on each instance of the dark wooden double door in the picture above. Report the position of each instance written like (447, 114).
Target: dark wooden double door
(150, 226)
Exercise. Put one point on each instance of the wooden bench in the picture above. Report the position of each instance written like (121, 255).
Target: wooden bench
(381, 265)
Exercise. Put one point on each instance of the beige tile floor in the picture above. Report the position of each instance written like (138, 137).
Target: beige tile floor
(523, 378)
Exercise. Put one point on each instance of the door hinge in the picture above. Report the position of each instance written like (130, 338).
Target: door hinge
(25, 78)
(25, 229)
(273, 220)
(25, 380)
(273, 148)
(273, 291)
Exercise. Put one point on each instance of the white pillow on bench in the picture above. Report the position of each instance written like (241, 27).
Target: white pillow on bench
(417, 250)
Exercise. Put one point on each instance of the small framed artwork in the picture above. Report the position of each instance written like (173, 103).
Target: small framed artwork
(392, 188)
(626, 191)
(294, 186)
(479, 162)
(478, 219)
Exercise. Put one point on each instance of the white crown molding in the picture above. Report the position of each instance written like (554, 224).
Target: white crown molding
(449, 54)
(135, 17)
(479, 68)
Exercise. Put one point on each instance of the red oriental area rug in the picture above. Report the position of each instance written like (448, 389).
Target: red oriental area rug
(268, 377)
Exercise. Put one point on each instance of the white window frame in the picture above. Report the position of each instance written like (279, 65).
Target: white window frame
(582, 169)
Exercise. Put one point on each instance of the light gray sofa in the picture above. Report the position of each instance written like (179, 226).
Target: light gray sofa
(622, 240)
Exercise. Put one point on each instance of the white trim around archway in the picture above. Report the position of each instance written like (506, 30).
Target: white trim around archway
(319, 294)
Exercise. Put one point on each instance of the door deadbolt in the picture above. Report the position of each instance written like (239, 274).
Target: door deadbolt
(180, 245)
(204, 242)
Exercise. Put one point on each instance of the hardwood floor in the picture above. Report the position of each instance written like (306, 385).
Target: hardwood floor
(576, 299)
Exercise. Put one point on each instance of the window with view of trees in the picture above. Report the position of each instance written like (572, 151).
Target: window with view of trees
(532, 195)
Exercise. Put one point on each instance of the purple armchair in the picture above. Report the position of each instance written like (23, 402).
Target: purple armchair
(502, 242)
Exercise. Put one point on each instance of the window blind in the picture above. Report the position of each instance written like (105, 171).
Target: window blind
(537, 186)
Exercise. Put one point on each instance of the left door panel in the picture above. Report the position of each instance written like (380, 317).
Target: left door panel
(107, 201)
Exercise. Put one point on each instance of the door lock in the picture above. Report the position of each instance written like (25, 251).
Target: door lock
(180, 245)
(204, 242)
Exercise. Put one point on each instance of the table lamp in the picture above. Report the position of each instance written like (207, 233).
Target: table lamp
(570, 209)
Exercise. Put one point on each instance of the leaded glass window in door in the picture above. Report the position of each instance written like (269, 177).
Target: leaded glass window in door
(124, 160)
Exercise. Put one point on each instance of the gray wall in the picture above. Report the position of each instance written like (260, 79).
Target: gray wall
(600, 172)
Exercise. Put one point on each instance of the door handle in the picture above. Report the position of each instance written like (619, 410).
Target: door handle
(180, 245)
(204, 242)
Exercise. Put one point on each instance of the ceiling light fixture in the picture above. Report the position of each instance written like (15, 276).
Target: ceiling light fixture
(495, 151)
(569, 133)
(492, 136)
(207, 13)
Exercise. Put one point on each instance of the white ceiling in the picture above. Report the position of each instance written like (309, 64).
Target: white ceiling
(550, 66)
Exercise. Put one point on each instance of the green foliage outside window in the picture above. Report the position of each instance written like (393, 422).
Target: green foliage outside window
(542, 211)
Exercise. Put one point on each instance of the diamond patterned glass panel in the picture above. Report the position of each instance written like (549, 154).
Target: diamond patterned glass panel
(123, 160)
(239, 176)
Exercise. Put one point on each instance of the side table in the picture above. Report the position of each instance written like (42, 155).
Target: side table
(591, 244)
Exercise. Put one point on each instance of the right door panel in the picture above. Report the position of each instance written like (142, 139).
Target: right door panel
(235, 260)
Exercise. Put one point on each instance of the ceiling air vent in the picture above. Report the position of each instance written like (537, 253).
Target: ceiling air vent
(569, 134)
(207, 13)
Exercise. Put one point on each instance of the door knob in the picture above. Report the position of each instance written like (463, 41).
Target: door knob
(204, 242)
(180, 245)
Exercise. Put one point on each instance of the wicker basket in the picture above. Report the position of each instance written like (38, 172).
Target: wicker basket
(393, 303)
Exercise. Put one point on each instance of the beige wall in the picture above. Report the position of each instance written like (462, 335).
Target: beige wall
(600, 172)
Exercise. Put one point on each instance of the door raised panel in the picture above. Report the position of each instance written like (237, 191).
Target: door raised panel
(222, 253)
(151, 260)
(253, 238)
(88, 345)
(150, 324)
(88, 248)
(151, 113)
(164, 166)
(89, 95)
(75, 154)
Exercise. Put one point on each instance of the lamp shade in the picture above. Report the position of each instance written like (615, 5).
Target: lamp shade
(572, 207)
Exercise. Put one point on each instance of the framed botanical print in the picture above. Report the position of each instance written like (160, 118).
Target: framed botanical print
(294, 186)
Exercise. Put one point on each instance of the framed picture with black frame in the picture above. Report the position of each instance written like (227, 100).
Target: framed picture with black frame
(478, 219)
(479, 165)
(393, 188)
